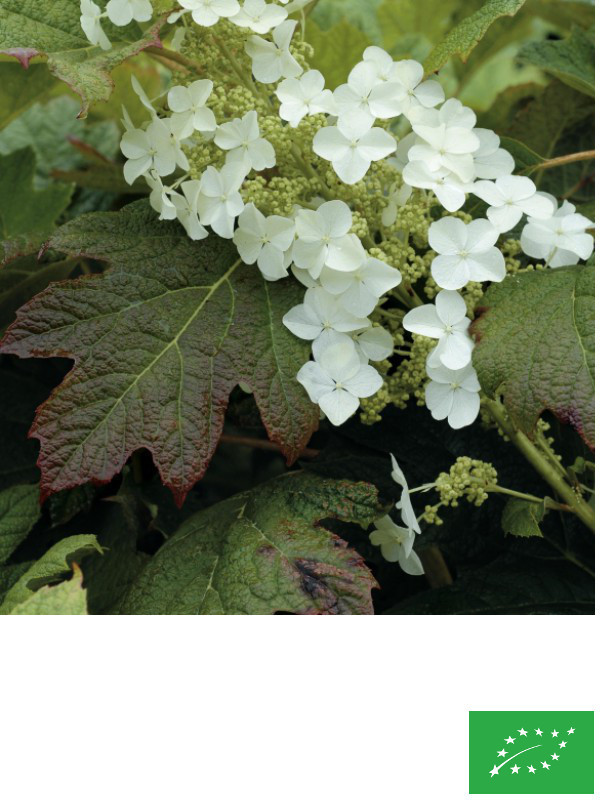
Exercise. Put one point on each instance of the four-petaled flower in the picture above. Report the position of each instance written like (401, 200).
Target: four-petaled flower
(273, 60)
(338, 380)
(241, 137)
(509, 197)
(324, 240)
(561, 239)
(302, 96)
(467, 252)
(396, 544)
(155, 148)
(351, 146)
(453, 394)
(190, 113)
(446, 321)
(220, 201)
(264, 240)
(320, 315)
(359, 290)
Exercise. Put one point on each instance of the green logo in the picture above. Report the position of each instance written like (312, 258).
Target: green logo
(531, 752)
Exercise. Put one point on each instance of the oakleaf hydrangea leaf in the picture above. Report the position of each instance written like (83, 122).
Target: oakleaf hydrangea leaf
(536, 346)
(22, 208)
(53, 566)
(465, 36)
(264, 551)
(159, 342)
(522, 518)
(68, 597)
(570, 60)
(51, 28)
(19, 511)
(27, 215)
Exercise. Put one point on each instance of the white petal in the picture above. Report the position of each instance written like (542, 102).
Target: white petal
(465, 408)
(450, 272)
(339, 405)
(424, 320)
(450, 307)
(448, 235)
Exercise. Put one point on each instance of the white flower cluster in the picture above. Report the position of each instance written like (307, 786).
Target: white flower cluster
(396, 541)
(445, 154)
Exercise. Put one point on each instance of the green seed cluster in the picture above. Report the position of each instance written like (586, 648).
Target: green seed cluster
(468, 478)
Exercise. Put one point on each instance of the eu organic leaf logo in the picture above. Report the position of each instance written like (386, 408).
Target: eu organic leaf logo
(531, 752)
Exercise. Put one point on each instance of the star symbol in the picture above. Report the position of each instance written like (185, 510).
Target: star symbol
(545, 765)
(531, 768)
(554, 757)
(554, 733)
(514, 769)
(494, 771)
(572, 730)
(523, 732)
(510, 740)
(538, 732)
(501, 753)
(562, 744)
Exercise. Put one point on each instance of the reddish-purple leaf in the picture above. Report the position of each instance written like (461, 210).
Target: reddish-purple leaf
(159, 342)
(535, 346)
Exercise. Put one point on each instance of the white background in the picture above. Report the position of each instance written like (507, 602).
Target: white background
(273, 708)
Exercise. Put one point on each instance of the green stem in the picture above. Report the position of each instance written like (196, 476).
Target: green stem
(531, 498)
(540, 463)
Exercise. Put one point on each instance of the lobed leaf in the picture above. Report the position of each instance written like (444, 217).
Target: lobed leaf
(51, 567)
(522, 518)
(535, 346)
(159, 343)
(20, 89)
(464, 38)
(19, 511)
(262, 552)
(24, 212)
(570, 60)
(68, 597)
(51, 28)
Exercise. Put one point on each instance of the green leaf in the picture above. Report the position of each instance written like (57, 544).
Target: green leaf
(264, 551)
(68, 597)
(20, 89)
(570, 60)
(336, 51)
(51, 28)
(525, 158)
(535, 346)
(542, 122)
(23, 210)
(522, 518)
(53, 566)
(53, 131)
(24, 277)
(159, 343)
(19, 511)
(464, 38)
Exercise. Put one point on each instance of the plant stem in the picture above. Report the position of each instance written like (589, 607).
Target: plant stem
(263, 444)
(540, 463)
(531, 498)
(584, 155)
(435, 567)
